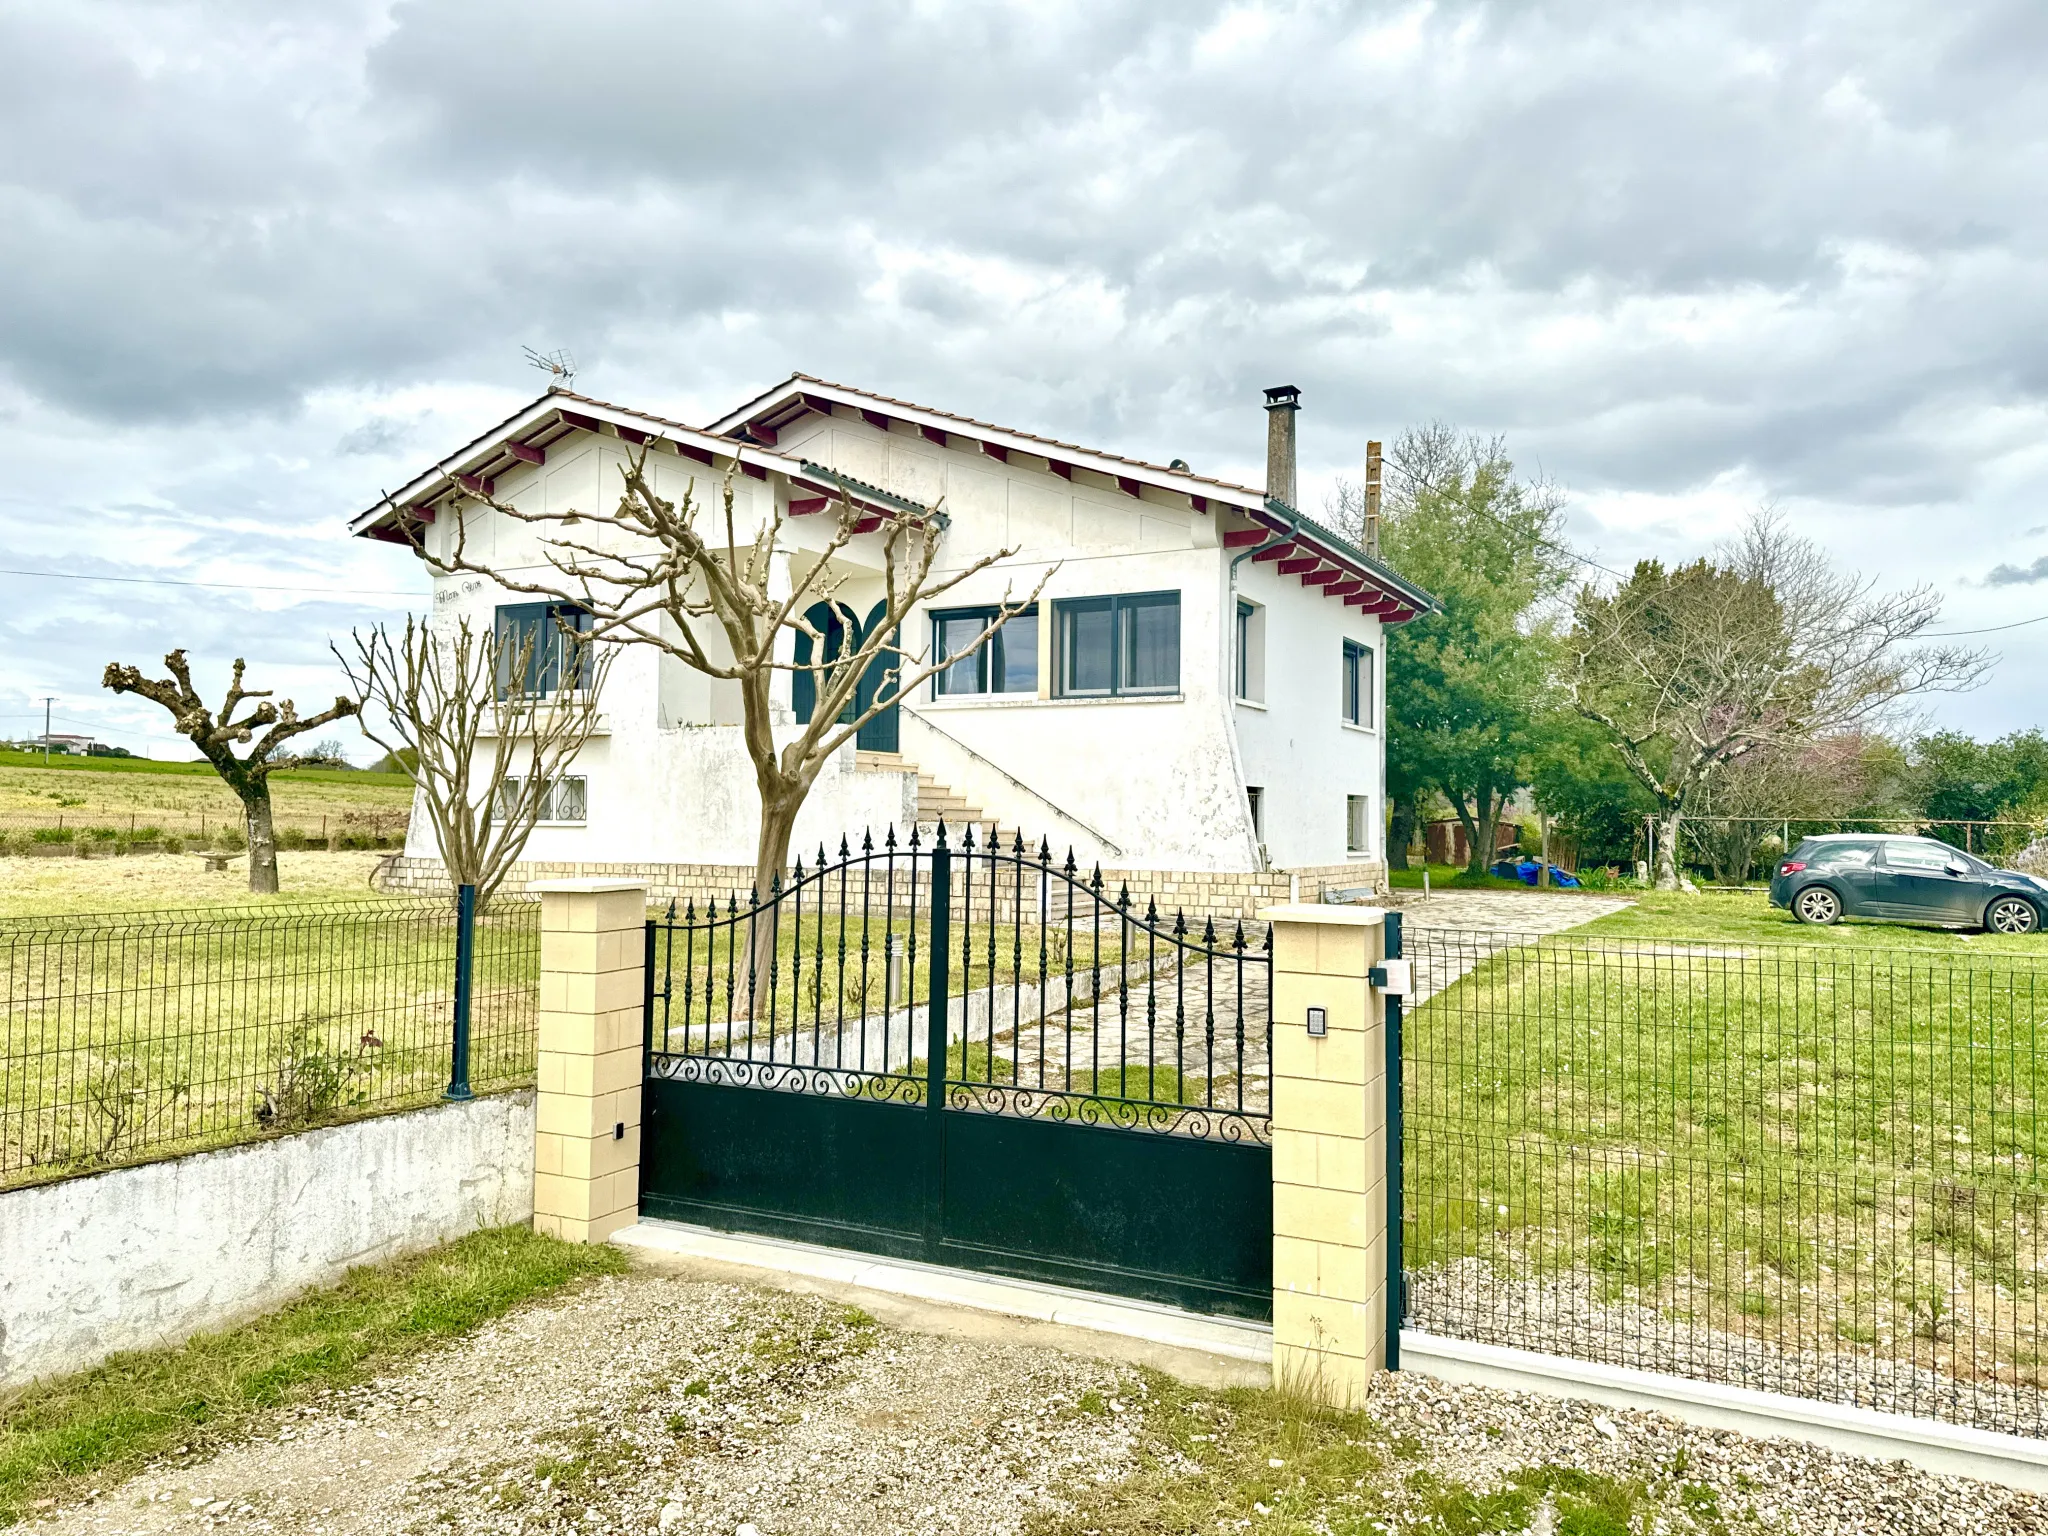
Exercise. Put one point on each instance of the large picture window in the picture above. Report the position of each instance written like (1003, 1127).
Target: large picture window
(1357, 683)
(542, 636)
(1008, 663)
(1116, 647)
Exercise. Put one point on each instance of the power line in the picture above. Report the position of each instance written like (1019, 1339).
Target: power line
(1943, 634)
(217, 586)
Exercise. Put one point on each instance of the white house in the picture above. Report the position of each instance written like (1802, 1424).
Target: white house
(1197, 694)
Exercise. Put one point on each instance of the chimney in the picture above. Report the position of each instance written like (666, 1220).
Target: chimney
(1282, 402)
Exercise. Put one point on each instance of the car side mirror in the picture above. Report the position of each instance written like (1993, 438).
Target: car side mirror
(1957, 867)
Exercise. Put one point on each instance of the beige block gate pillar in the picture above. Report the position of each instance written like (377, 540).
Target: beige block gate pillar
(586, 1154)
(1329, 1151)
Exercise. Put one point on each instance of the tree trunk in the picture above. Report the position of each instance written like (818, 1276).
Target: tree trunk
(1667, 877)
(771, 866)
(1400, 833)
(1482, 828)
(255, 795)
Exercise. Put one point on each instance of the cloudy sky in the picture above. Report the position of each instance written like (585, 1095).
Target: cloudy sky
(257, 262)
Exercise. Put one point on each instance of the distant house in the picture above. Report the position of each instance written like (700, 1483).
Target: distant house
(65, 742)
(1197, 695)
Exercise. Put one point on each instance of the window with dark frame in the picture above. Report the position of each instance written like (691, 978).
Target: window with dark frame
(1256, 794)
(1357, 824)
(543, 637)
(1357, 684)
(1117, 647)
(1244, 649)
(1008, 663)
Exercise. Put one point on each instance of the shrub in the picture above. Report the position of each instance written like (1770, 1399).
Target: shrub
(143, 835)
(52, 835)
(170, 842)
(104, 834)
(292, 839)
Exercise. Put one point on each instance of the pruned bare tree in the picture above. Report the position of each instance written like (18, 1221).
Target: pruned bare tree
(484, 746)
(1690, 669)
(662, 573)
(217, 735)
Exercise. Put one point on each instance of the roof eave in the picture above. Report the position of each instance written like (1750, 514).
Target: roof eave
(565, 407)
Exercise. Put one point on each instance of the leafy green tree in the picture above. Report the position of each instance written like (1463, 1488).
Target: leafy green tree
(1468, 688)
(1956, 779)
(1690, 669)
(1596, 802)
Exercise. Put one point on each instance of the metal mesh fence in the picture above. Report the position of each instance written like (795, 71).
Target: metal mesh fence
(124, 1038)
(1804, 1170)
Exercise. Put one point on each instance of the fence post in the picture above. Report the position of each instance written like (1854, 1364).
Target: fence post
(586, 1154)
(1330, 1197)
(465, 976)
(938, 984)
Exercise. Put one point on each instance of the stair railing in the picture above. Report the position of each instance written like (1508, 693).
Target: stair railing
(1054, 806)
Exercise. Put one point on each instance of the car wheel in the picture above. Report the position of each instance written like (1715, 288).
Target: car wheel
(2011, 914)
(1817, 905)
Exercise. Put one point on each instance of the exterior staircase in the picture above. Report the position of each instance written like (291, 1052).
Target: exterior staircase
(936, 800)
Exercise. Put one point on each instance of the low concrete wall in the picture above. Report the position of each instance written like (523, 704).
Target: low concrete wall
(139, 1257)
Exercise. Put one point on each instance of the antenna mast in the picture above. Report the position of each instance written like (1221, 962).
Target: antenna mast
(558, 363)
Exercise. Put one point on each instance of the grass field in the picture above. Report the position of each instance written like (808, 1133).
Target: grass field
(181, 798)
(151, 1035)
(1835, 1145)
(157, 882)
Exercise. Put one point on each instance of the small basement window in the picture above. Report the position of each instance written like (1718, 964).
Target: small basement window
(566, 800)
(1257, 796)
(1358, 823)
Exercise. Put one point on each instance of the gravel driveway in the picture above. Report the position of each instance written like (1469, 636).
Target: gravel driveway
(658, 1401)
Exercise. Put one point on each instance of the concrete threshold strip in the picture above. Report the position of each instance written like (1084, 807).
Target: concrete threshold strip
(1952, 1449)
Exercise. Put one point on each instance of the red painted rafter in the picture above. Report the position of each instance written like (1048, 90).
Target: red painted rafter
(997, 452)
(1321, 578)
(932, 435)
(701, 455)
(1299, 564)
(875, 419)
(1277, 552)
(808, 506)
(527, 455)
(1128, 486)
(1061, 468)
(1343, 588)
(763, 435)
(753, 470)
(577, 419)
(1244, 538)
(634, 436)
(476, 485)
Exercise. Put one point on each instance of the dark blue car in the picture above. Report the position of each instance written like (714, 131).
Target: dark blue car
(1904, 879)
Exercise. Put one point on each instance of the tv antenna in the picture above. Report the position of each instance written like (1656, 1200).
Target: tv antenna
(560, 363)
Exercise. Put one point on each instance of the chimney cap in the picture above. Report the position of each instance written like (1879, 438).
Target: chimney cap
(1283, 394)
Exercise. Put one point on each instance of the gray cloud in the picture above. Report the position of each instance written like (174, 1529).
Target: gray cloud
(255, 266)
(2017, 575)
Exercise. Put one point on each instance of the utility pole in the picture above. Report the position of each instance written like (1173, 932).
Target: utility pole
(48, 700)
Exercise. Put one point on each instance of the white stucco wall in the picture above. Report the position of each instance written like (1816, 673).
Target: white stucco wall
(140, 1257)
(1156, 783)
(1298, 747)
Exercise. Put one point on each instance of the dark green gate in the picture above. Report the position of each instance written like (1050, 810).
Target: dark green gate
(971, 1057)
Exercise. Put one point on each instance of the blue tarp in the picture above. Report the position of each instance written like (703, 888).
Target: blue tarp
(1527, 870)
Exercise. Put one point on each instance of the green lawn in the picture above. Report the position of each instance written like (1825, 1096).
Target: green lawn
(1834, 1142)
(61, 1436)
(129, 1038)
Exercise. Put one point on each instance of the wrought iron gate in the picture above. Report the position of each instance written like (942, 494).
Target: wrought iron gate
(974, 1057)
